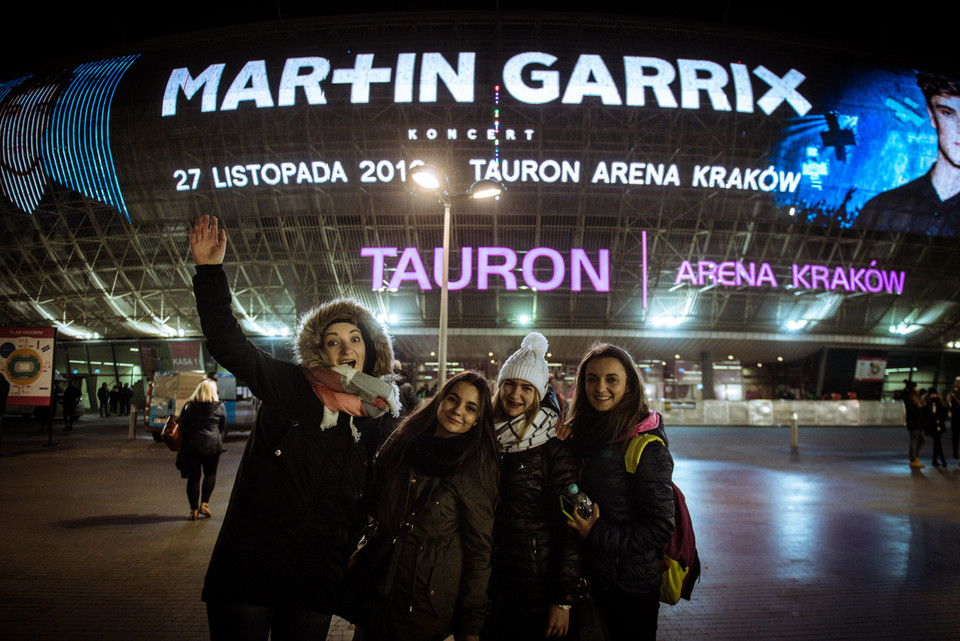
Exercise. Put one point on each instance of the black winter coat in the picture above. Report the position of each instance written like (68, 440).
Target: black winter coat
(536, 559)
(202, 425)
(296, 497)
(441, 581)
(636, 516)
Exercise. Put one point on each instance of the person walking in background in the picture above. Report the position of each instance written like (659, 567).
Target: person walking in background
(202, 421)
(103, 398)
(913, 404)
(633, 513)
(953, 411)
(279, 558)
(126, 394)
(553, 387)
(71, 399)
(408, 395)
(114, 399)
(935, 416)
(536, 562)
(443, 457)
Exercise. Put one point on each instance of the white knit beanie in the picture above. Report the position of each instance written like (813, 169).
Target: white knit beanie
(528, 363)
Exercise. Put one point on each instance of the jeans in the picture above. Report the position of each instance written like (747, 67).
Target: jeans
(240, 622)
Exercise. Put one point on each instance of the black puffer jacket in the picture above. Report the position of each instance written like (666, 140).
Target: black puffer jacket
(536, 557)
(295, 500)
(636, 516)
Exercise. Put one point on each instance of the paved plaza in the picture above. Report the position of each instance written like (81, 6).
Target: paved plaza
(836, 540)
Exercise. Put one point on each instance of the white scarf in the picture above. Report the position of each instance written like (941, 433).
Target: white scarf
(543, 428)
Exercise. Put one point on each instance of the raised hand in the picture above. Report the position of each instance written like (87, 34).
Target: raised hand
(208, 243)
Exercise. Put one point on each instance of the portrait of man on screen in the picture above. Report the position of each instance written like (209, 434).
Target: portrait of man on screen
(929, 204)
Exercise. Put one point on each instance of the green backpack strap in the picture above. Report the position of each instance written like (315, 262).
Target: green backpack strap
(635, 449)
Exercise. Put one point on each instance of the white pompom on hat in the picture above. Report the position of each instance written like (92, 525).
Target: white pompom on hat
(528, 363)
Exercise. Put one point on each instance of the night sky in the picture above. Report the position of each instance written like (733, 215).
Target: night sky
(37, 33)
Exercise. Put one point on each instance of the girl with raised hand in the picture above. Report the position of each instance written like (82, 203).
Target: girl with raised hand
(536, 562)
(632, 511)
(435, 486)
(279, 559)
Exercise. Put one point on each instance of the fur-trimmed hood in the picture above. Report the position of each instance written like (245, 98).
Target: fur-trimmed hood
(308, 343)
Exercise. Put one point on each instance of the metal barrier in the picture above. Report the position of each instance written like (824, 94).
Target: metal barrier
(780, 413)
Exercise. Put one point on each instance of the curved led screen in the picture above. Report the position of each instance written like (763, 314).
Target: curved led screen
(320, 116)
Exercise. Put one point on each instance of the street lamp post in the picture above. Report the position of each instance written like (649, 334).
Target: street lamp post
(430, 180)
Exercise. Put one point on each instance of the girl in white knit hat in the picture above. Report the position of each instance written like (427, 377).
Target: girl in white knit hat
(536, 562)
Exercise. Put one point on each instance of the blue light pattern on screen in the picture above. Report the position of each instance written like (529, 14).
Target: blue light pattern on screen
(21, 124)
(77, 144)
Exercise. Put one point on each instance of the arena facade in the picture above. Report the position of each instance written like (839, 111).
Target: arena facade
(702, 196)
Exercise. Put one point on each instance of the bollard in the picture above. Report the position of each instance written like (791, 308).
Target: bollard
(133, 423)
(794, 437)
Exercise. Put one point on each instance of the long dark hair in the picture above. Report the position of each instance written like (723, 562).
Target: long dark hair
(422, 423)
(604, 427)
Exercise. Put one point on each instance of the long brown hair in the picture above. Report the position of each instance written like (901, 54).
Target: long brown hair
(617, 422)
(423, 423)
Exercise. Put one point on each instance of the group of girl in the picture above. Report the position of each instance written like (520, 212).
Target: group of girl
(467, 487)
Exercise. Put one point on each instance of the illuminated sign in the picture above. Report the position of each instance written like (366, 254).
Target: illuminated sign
(738, 274)
(702, 83)
(492, 262)
(661, 122)
(499, 264)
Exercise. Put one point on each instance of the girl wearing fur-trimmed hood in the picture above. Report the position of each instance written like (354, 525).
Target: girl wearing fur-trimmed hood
(278, 561)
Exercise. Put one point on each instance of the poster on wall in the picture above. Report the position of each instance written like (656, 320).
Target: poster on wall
(870, 370)
(26, 360)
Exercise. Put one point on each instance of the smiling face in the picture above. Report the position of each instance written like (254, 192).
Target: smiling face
(945, 118)
(458, 410)
(343, 344)
(516, 396)
(606, 383)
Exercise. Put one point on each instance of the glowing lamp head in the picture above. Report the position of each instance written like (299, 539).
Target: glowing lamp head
(485, 189)
(428, 178)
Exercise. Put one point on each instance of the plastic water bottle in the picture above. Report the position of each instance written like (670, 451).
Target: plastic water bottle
(581, 502)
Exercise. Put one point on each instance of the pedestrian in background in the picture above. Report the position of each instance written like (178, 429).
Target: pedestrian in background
(913, 404)
(202, 421)
(536, 561)
(935, 415)
(114, 399)
(126, 394)
(408, 395)
(953, 411)
(103, 398)
(71, 400)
